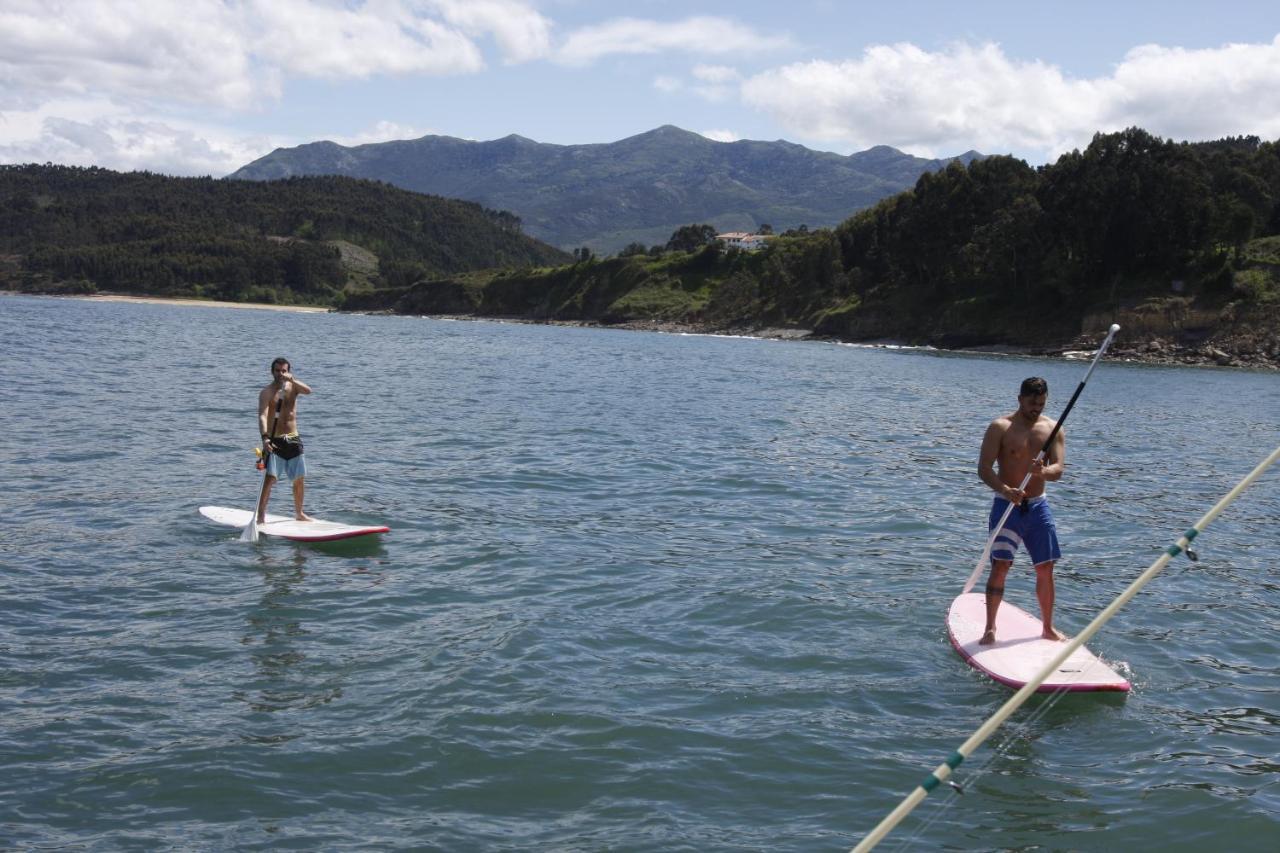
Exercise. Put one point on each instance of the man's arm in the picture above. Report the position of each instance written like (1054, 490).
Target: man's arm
(298, 386)
(264, 409)
(1055, 459)
(987, 460)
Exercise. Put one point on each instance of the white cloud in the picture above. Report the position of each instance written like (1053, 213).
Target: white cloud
(976, 97)
(236, 54)
(720, 135)
(665, 83)
(716, 73)
(520, 31)
(1198, 94)
(716, 82)
(384, 131)
(702, 35)
(109, 83)
(102, 134)
(74, 48)
(108, 135)
(318, 39)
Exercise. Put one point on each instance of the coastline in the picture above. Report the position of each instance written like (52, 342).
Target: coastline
(174, 300)
(1156, 351)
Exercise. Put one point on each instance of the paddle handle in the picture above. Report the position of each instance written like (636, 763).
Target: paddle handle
(995, 531)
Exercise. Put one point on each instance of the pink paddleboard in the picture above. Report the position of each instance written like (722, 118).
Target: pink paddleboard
(1019, 653)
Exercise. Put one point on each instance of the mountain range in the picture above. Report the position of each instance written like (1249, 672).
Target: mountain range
(638, 189)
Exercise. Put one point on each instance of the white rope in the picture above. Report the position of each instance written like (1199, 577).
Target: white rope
(1020, 731)
(984, 731)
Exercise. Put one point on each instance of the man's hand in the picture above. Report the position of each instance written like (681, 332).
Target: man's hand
(1013, 494)
(291, 385)
(1043, 468)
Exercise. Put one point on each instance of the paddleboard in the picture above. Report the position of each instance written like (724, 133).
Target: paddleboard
(1019, 652)
(290, 528)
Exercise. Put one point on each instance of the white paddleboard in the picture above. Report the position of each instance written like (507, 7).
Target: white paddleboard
(290, 528)
(1019, 652)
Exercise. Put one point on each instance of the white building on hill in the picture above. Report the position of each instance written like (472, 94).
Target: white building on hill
(744, 241)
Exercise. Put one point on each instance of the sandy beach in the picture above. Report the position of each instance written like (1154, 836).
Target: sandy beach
(166, 300)
(202, 303)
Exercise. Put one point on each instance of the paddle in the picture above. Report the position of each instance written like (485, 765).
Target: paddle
(250, 533)
(991, 541)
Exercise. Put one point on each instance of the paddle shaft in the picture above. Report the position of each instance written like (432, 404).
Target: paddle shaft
(991, 540)
(251, 532)
(275, 420)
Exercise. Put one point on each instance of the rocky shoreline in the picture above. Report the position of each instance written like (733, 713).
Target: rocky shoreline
(1248, 351)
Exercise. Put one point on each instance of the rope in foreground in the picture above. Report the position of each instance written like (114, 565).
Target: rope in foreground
(940, 774)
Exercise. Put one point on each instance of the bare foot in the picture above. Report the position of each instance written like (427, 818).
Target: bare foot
(988, 638)
(302, 516)
(1052, 634)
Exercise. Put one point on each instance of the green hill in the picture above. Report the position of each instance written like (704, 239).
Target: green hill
(638, 189)
(1175, 241)
(301, 240)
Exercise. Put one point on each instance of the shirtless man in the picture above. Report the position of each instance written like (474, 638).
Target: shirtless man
(1012, 443)
(278, 423)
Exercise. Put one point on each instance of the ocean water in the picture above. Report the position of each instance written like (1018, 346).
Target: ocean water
(642, 592)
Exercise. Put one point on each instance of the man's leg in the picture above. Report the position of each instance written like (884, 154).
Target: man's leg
(298, 490)
(267, 482)
(995, 594)
(1044, 594)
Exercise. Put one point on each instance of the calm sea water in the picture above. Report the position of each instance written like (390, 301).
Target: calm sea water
(642, 592)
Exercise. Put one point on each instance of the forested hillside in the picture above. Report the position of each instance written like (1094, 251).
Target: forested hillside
(1176, 241)
(1130, 218)
(301, 240)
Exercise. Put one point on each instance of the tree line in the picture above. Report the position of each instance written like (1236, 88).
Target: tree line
(995, 250)
(94, 229)
(1131, 216)
(992, 251)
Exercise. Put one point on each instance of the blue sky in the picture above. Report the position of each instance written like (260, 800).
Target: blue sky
(205, 86)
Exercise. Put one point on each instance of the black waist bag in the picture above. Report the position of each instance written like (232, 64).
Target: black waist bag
(286, 447)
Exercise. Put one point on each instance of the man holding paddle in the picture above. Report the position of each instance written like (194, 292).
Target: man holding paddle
(281, 445)
(1011, 455)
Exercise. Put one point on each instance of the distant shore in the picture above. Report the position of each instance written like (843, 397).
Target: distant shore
(176, 300)
(1248, 355)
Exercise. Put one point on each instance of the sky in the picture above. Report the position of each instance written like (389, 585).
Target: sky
(202, 87)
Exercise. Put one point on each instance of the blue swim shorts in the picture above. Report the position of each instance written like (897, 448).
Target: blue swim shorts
(287, 469)
(1030, 525)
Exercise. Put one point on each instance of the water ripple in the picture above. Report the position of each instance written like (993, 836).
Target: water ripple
(643, 592)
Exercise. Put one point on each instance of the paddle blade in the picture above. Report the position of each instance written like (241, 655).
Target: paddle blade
(250, 532)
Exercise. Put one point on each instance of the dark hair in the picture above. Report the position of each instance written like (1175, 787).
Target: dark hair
(279, 361)
(1033, 386)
